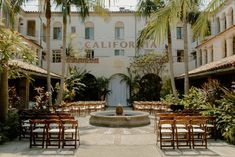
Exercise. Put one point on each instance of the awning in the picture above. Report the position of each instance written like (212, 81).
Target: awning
(223, 65)
(32, 69)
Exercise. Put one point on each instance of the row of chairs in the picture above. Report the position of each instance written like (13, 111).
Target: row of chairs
(151, 106)
(26, 116)
(54, 132)
(184, 129)
(82, 107)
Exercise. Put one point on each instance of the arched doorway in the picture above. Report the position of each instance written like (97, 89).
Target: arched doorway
(90, 91)
(119, 91)
(150, 87)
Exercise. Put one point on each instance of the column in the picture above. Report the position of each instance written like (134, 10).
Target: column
(222, 23)
(210, 51)
(204, 56)
(198, 58)
(229, 43)
(228, 19)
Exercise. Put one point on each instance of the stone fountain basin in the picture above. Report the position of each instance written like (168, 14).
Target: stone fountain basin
(128, 119)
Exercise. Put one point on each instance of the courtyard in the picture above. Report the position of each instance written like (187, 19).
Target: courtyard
(116, 142)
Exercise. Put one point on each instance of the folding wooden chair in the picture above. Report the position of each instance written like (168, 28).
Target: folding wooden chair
(70, 133)
(199, 132)
(166, 134)
(53, 132)
(37, 133)
(182, 132)
(211, 126)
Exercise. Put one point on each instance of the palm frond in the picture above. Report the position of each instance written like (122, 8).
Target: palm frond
(201, 27)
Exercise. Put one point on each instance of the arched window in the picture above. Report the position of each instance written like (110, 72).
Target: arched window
(89, 31)
(57, 31)
(119, 31)
(230, 17)
(217, 25)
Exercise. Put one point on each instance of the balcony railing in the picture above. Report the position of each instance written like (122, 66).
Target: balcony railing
(82, 60)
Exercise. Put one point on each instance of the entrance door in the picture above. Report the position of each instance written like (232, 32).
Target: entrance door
(119, 92)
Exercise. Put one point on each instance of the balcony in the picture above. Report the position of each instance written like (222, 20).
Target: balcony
(82, 60)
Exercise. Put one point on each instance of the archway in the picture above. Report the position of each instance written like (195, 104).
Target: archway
(90, 92)
(150, 87)
(119, 91)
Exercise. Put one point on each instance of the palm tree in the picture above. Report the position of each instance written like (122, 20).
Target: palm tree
(149, 30)
(66, 11)
(10, 8)
(47, 7)
(83, 7)
(161, 22)
(201, 27)
(10, 45)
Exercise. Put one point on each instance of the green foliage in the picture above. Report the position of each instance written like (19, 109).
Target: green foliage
(102, 85)
(11, 45)
(73, 85)
(166, 87)
(149, 63)
(170, 99)
(194, 100)
(10, 129)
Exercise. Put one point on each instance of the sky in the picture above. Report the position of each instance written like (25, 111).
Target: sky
(128, 4)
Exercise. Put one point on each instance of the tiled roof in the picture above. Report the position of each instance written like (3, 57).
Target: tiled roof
(228, 62)
(33, 69)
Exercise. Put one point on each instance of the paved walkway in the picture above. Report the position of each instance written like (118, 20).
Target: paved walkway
(116, 142)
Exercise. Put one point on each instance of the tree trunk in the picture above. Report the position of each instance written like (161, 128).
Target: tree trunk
(186, 77)
(174, 90)
(63, 59)
(48, 49)
(4, 95)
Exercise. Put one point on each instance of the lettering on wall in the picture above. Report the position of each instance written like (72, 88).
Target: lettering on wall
(117, 45)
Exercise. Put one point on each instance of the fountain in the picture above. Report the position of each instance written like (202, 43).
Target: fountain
(119, 118)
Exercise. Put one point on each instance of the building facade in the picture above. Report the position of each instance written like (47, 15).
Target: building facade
(216, 54)
(104, 46)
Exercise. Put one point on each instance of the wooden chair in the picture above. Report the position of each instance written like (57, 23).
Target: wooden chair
(211, 127)
(70, 133)
(53, 132)
(199, 132)
(182, 132)
(166, 134)
(37, 133)
(24, 128)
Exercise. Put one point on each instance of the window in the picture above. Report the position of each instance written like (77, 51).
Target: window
(179, 32)
(89, 33)
(57, 33)
(119, 52)
(180, 55)
(225, 49)
(31, 28)
(119, 31)
(212, 54)
(43, 55)
(73, 29)
(56, 56)
(44, 32)
(234, 45)
(206, 57)
(89, 53)
(200, 57)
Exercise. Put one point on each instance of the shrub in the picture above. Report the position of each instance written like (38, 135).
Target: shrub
(10, 129)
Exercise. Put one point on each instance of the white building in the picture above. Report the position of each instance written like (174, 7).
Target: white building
(105, 45)
(215, 55)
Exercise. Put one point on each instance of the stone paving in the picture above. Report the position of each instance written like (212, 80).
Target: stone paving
(116, 142)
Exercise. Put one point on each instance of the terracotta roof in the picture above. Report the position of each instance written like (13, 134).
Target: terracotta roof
(228, 62)
(33, 69)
